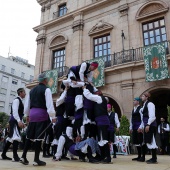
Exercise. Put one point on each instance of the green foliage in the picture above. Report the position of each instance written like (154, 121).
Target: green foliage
(124, 126)
(3, 119)
(168, 107)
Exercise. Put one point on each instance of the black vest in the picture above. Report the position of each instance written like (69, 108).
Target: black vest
(76, 71)
(163, 125)
(100, 109)
(60, 110)
(112, 118)
(37, 97)
(20, 108)
(68, 143)
(136, 115)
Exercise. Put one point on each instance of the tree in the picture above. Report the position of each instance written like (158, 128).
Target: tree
(3, 119)
(124, 126)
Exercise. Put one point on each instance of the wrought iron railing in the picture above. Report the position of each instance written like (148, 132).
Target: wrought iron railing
(59, 13)
(128, 56)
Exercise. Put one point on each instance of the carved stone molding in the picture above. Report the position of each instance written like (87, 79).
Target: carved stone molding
(123, 9)
(101, 26)
(48, 6)
(78, 25)
(43, 9)
(127, 85)
(58, 40)
(41, 39)
(152, 8)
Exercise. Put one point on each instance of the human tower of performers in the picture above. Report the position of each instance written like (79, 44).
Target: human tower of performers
(82, 124)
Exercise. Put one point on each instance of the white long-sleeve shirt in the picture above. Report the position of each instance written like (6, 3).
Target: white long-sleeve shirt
(49, 104)
(15, 106)
(81, 73)
(61, 98)
(117, 122)
(141, 116)
(151, 112)
(92, 97)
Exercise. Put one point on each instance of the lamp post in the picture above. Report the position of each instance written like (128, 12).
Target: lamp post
(123, 49)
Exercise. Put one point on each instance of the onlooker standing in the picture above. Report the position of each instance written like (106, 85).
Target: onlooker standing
(38, 107)
(15, 124)
(163, 130)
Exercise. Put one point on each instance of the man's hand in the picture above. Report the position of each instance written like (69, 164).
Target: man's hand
(74, 82)
(54, 120)
(147, 128)
(130, 131)
(84, 87)
(20, 124)
(140, 130)
(85, 79)
(117, 129)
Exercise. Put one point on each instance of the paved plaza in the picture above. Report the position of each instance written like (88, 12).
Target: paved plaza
(120, 163)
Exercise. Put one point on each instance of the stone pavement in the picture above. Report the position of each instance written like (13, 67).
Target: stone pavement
(120, 163)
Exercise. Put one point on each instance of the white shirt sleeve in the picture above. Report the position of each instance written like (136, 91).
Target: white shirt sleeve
(117, 121)
(167, 128)
(151, 112)
(15, 106)
(27, 105)
(49, 103)
(82, 70)
(92, 97)
(61, 99)
(130, 127)
(142, 124)
(159, 129)
(90, 76)
(67, 82)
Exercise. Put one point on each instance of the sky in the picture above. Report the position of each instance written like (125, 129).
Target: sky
(17, 19)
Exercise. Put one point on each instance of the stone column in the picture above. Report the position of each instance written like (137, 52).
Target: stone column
(39, 53)
(127, 93)
(77, 27)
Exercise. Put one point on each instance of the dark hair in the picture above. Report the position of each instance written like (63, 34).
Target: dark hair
(20, 90)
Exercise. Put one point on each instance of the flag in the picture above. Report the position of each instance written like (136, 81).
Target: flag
(156, 66)
(52, 80)
(98, 73)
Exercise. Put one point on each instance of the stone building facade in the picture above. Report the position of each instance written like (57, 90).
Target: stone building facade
(72, 31)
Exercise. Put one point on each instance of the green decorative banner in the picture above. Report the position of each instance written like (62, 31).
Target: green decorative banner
(98, 74)
(52, 80)
(155, 61)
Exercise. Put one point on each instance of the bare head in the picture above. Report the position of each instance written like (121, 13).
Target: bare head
(145, 96)
(21, 92)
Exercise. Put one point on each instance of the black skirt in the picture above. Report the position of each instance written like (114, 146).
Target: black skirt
(111, 136)
(12, 125)
(35, 130)
(77, 127)
(137, 138)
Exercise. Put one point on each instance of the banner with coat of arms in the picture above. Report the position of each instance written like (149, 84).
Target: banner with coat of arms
(156, 66)
(52, 80)
(98, 74)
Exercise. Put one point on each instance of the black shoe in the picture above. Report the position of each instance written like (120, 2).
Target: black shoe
(142, 159)
(16, 159)
(151, 161)
(114, 156)
(39, 163)
(4, 157)
(55, 159)
(46, 156)
(92, 160)
(107, 161)
(24, 161)
(65, 157)
(135, 159)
